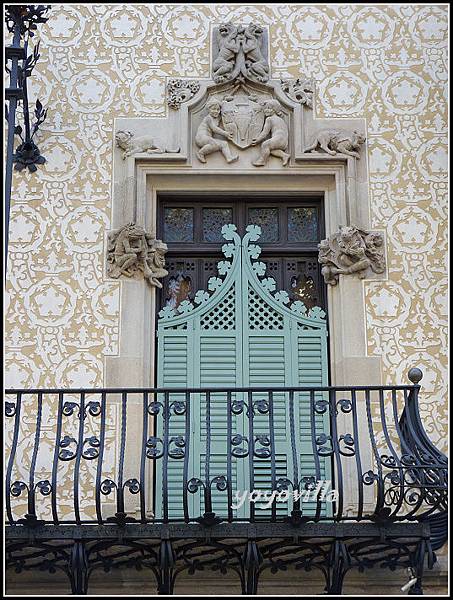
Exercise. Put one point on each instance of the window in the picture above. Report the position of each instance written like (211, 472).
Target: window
(291, 230)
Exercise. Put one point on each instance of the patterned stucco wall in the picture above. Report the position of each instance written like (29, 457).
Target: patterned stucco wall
(386, 63)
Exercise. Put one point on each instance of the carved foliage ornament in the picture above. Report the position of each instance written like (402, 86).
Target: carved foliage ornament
(351, 250)
(132, 252)
(300, 90)
(132, 144)
(239, 51)
(181, 90)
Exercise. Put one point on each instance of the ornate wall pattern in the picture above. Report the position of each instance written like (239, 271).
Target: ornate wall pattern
(385, 63)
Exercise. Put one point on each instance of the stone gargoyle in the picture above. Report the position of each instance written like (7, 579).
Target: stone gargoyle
(131, 252)
(351, 250)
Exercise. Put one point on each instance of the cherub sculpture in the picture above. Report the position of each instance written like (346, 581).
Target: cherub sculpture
(276, 127)
(205, 139)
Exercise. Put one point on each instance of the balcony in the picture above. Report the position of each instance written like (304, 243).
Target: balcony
(112, 478)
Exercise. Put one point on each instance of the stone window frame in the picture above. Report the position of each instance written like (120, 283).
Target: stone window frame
(136, 200)
(137, 182)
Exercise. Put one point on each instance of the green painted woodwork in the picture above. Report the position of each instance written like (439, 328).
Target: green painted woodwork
(241, 334)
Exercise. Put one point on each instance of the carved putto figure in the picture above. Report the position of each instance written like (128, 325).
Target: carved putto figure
(131, 144)
(277, 129)
(338, 142)
(131, 251)
(351, 250)
(240, 53)
(205, 139)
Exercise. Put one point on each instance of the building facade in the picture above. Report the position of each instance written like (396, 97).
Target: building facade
(173, 131)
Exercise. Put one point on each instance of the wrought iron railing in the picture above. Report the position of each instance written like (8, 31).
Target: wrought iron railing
(123, 455)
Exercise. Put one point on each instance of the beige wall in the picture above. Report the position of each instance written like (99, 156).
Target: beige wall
(99, 62)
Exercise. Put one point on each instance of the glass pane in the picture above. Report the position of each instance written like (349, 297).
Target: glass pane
(179, 289)
(178, 225)
(302, 224)
(304, 288)
(213, 221)
(267, 219)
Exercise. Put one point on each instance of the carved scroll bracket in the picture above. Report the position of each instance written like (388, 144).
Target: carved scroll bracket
(351, 250)
(134, 253)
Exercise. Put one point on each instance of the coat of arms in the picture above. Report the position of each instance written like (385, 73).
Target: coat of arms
(243, 118)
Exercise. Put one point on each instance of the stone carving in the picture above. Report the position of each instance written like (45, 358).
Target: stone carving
(338, 142)
(244, 119)
(204, 138)
(351, 250)
(181, 90)
(131, 144)
(238, 53)
(299, 90)
(131, 251)
(276, 127)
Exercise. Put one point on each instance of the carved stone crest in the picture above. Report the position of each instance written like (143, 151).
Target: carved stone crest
(243, 118)
(133, 252)
(351, 250)
(239, 51)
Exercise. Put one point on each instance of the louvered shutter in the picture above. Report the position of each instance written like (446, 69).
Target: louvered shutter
(242, 335)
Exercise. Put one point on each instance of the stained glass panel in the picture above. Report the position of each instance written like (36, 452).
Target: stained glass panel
(178, 225)
(179, 288)
(304, 289)
(267, 219)
(213, 221)
(302, 224)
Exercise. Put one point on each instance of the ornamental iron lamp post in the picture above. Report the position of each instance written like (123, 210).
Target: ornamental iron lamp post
(22, 21)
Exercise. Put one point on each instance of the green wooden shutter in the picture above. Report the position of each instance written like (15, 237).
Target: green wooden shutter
(241, 334)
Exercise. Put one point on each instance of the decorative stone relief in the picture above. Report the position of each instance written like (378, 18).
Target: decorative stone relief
(204, 137)
(300, 90)
(245, 119)
(239, 51)
(131, 144)
(181, 90)
(131, 251)
(277, 129)
(338, 142)
(351, 250)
